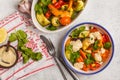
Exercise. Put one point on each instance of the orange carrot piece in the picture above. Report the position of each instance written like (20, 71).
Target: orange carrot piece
(100, 43)
(54, 10)
(105, 55)
(80, 59)
(85, 68)
(57, 12)
(94, 66)
(54, 1)
(68, 42)
(83, 54)
(70, 4)
(93, 30)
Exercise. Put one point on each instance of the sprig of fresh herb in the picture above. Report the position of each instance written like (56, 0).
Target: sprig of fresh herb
(27, 53)
(95, 46)
(89, 59)
(74, 56)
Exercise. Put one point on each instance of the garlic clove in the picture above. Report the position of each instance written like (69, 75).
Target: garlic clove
(24, 6)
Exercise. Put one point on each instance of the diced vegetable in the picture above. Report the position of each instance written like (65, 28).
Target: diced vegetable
(78, 5)
(80, 59)
(86, 43)
(105, 38)
(84, 34)
(89, 59)
(76, 32)
(55, 21)
(74, 56)
(68, 42)
(51, 27)
(45, 2)
(42, 19)
(107, 45)
(54, 1)
(65, 20)
(47, 14)
(85, 68)
(79, 65)
(57, 12)
(64, 7)
(68, 53)
(83, 54)
(58, 4)
(93, 30)
(94, 66)
(105, 55)
(69, 47)
(38, 8)
(98, 57)
(70, 4)
(74, 14)
(95, 46)
(76, 45)
(54, 10)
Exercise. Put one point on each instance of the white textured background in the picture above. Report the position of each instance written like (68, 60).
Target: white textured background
(103, 12)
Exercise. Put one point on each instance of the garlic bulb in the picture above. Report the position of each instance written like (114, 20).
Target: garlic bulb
(24, 6)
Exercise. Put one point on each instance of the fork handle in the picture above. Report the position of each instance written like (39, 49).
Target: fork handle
(60, 68)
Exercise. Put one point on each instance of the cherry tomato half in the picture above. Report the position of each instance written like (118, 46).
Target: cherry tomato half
(65, 21)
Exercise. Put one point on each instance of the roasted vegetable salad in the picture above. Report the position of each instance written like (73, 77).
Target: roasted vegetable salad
(53, 14)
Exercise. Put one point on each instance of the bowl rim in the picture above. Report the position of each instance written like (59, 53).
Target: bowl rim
(68, 32)
(39, 26)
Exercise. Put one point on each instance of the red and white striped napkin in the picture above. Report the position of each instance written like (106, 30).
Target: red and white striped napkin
(19, 22)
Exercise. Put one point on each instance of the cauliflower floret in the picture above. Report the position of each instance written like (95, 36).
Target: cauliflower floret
(76, 45)
(87, 28)
(94, 35)
(79, 65)
(97, 35)
(88, 51)
(98, 57)
(102, 50)
(92, 38)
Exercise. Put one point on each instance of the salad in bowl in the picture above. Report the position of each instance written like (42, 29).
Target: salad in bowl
(87, 48)
(55, 15)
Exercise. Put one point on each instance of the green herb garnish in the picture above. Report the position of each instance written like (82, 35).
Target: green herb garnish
(89, 59)
(95, 46)
(74, 56)
(51, 27)
(46, 2)
(27, 53)
(107, 45)
(38, 8)
(69, 47)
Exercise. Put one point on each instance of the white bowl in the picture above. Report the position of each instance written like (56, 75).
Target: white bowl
(39, 27)
(104, 65)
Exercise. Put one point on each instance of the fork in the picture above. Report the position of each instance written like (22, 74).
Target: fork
(52, 52)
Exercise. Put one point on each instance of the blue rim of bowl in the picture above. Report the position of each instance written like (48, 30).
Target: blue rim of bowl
(67, 36)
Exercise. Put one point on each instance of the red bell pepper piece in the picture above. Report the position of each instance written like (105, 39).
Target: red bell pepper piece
(59, 4)
(48, 14)
(105, 38)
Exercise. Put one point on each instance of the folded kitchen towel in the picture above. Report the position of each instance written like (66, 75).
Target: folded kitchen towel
(14, 22)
